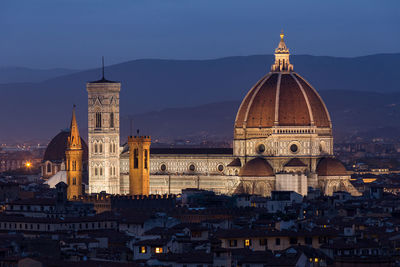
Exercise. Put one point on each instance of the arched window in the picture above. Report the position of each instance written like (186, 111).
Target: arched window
(146, 156)
(135, 158)
(74, 165)
(111, 120)
(111, 148)
(74, 181)
(95, 171)
(101, 171)
(98, 120)
(111, 171)
(101, 148)
(95, 148)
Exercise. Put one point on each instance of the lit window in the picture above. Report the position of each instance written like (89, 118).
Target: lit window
(159, 250)
(316, 259)
(143, 250)
(247, 242)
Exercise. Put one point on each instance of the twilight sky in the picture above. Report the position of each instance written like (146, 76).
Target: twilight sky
(76, 33)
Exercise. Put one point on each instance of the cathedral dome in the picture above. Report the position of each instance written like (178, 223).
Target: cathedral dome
(330, 167)
(257, 167)
(282, 98)
(55, 150)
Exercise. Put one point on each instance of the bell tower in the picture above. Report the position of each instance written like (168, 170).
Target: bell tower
(103, 130)
(74, 161)
(139, 165)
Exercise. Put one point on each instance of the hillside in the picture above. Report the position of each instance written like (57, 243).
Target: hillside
(40, 109)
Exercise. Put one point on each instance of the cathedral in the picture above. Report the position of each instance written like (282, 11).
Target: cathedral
(282, 141)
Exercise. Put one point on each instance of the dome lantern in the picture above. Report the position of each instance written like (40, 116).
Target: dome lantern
(282, 57)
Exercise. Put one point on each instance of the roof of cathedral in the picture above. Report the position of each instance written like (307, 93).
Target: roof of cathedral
(219, 151)
(331, 167)
(282, 98)
(295, 162)
(257, 167)
(55, 150)
(235, 163)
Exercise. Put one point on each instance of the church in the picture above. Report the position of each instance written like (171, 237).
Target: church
(282, 141)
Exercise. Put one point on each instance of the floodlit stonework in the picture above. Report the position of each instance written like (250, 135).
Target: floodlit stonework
(103, 140)
(282, 141)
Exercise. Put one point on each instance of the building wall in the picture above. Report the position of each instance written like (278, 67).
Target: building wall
(311, 142)
(210, 173)
(103, 141)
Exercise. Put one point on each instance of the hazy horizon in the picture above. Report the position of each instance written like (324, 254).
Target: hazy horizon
(188, 59)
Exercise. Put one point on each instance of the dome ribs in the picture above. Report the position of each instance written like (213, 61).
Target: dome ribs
(241, 115)
(319, 111)
(262, 107)
(282, 99)
(293, 110)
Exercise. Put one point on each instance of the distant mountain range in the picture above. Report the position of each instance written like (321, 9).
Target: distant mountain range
(170, 97)
(23, 75)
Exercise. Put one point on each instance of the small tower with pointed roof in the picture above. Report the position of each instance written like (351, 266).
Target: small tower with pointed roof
(282, 57)
(73, 155)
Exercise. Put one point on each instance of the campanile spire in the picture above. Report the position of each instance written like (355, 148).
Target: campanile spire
(73, 156)
(282, 63)
(74, 140)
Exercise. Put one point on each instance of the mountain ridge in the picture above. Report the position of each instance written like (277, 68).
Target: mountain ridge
(153, 84)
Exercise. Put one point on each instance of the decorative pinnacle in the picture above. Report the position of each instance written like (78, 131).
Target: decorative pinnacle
(282, 34)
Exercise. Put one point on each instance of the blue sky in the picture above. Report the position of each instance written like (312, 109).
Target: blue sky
(76, 33)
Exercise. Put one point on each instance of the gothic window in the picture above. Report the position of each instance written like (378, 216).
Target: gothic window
(101, 148)
(135, 158)
(74, 165)
(74, 181)
(48, 167)
(111, 120)
(110, 171)
(101, 171)
(145, 158)
(114, 146)
(111, 148)
(95, 171)
(95, 148)
(98, 119)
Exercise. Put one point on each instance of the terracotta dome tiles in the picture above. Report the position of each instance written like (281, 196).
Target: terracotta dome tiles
(288, 94)
(257, 167)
